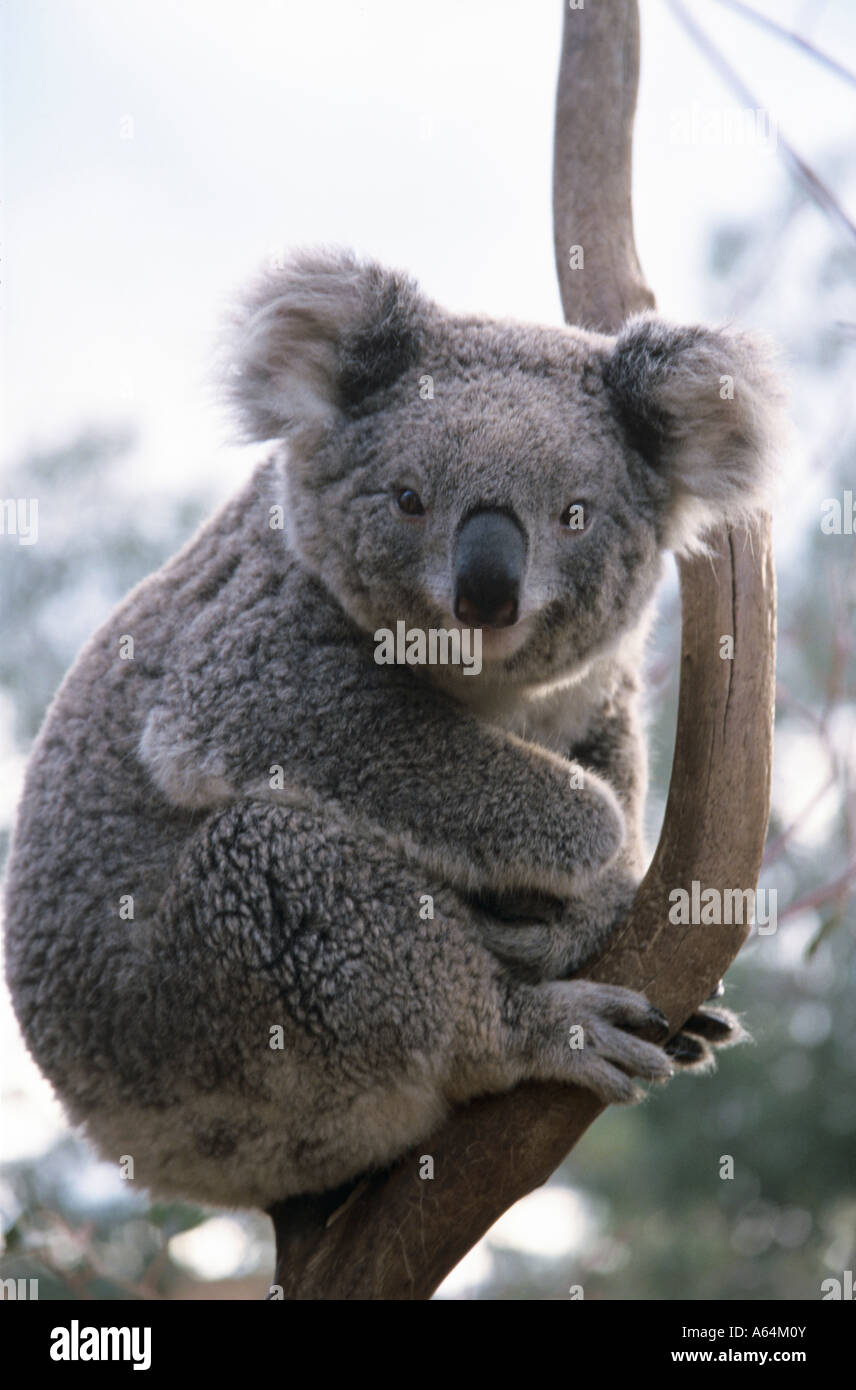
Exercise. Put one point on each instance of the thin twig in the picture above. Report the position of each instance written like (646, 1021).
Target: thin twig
(802, 172)
(838, 888)
(792, 37)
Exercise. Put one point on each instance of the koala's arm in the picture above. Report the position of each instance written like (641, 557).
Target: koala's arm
(553, 939)
(381, 745)
(613, 748)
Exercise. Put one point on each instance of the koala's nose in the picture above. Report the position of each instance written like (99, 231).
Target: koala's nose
(490, 554)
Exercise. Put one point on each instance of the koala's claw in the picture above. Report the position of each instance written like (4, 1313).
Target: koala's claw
(715, 1027)
(693, 1047)
(656, 1027)
(622, 1039)
(687, 1050)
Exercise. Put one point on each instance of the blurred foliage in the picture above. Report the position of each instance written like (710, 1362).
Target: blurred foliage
(92, 1247)
(96, 539)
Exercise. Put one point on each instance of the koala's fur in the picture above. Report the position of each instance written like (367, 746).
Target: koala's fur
(253, 648)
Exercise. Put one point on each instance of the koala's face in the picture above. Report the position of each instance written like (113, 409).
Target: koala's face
(507, 500)
(451, 472)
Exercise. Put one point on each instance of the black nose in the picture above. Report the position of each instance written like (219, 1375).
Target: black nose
(490, 554)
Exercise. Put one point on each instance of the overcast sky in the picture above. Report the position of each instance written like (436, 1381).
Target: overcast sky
(421, 135)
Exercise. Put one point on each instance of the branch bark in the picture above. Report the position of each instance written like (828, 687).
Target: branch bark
(400, 1235)
(593, 166)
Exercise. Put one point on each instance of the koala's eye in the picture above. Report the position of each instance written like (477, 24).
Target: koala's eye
(410, 502)
(576, 517)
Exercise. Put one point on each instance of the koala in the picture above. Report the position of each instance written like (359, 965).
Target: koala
(274, 906)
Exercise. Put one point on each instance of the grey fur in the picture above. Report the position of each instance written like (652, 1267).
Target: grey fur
(257, 906)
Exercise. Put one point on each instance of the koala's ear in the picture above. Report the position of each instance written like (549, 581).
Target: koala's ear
(705, 409)
(315, 338)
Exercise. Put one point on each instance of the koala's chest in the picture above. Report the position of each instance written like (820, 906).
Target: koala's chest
(555, 721)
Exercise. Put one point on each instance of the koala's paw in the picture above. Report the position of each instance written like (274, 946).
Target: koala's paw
(694, 1048)
(603, 1044)
(597, 832)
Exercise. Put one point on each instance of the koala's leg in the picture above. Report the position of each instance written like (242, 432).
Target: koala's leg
(588, 1034)
(303, 1016)
(578, 932)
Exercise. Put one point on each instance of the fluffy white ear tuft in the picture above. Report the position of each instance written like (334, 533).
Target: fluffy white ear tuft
(314, 338)
(706, 409)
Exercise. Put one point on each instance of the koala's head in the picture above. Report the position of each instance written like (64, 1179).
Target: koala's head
(458, 471)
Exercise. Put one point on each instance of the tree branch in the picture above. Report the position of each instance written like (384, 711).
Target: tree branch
(802, 172)
(400, 1236)
(780, 30)
(593, 166)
